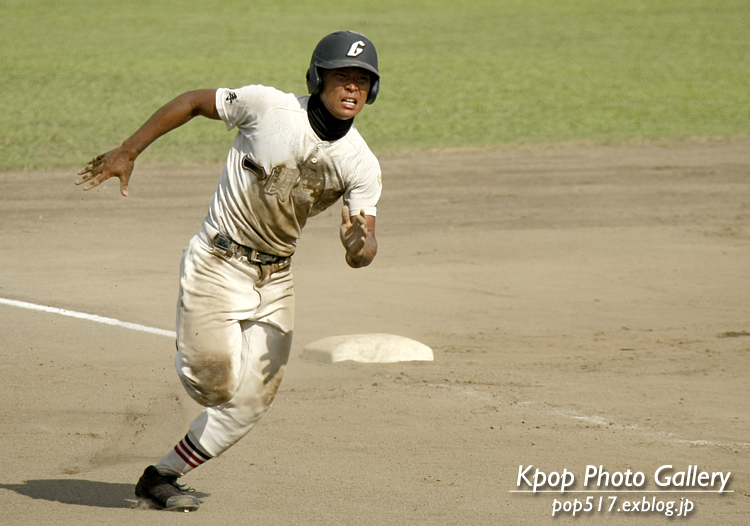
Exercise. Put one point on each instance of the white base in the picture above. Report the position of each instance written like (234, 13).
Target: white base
(367, 348)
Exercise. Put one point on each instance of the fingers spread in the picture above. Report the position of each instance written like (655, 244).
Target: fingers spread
(92, 184)
(115, 163)
(91, 170)
(87, 176)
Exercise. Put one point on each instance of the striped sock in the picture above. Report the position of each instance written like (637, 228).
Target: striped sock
(184, 458)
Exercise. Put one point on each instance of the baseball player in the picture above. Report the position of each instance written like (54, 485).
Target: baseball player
(292, 157)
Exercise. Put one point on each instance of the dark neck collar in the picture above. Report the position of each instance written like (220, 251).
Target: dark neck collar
(325, 125)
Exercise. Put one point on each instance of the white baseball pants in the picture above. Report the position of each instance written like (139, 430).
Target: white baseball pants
(234, 335)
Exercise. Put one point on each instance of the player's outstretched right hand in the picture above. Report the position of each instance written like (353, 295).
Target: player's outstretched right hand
(115, 163)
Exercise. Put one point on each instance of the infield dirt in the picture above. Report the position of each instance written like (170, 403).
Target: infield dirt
(586, 306)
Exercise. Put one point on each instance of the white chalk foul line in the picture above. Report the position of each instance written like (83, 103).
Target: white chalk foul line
(90, 317)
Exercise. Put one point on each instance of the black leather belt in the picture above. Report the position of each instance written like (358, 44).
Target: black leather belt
(230, 248)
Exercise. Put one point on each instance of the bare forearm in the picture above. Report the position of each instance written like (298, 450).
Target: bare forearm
(170, 116)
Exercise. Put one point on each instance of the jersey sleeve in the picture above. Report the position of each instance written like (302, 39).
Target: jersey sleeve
(364, 192)
(242, 107)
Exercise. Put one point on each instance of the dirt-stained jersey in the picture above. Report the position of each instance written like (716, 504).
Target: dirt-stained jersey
(279, 172)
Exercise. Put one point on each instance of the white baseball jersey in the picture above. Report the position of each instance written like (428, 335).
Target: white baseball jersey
(279, 172)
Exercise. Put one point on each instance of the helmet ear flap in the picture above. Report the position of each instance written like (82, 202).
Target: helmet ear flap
(374, 90)
(314, 80)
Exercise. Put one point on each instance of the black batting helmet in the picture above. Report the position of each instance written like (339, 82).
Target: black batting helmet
(344, 49)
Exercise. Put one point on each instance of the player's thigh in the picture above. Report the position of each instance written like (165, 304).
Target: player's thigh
(213, 296)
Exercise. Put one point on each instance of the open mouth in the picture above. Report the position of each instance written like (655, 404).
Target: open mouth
(349, 103)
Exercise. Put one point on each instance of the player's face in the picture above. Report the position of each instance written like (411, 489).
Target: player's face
(345, 91)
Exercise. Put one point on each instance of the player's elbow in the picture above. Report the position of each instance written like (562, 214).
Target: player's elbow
(202, 103)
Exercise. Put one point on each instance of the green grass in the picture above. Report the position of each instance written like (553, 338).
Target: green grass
(79, 76)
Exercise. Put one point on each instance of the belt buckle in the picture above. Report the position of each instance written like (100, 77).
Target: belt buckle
(224, 244)
(262, 258)
(252, 256)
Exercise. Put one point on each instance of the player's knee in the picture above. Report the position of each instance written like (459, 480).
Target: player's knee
(211, 382)
(212, 397)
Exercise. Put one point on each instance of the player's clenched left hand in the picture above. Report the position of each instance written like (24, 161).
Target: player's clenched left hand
(115, 163)
(353, 234)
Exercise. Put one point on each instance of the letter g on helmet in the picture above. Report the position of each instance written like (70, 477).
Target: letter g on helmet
(344, 49)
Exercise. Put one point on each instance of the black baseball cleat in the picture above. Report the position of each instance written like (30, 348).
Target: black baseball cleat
(162, 492)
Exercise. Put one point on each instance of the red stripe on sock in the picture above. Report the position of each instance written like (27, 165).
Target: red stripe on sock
(183, 457)
(191, 453)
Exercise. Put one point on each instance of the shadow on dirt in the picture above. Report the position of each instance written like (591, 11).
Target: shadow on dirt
(81, 492)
